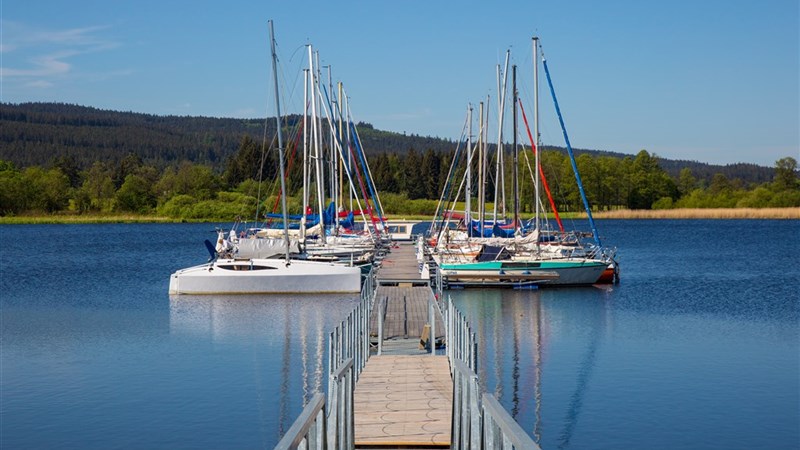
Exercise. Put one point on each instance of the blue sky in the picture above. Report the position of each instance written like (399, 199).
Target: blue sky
(712, 81)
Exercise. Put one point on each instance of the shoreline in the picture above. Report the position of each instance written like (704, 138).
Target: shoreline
(666, 214)
(701, 213)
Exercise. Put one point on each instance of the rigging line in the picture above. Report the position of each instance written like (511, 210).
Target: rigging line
(362, 157)
(535, 150)
(446, 188)
(377, 198)
(340, 150)
(571, 155)
(353, 145)
(289, 165)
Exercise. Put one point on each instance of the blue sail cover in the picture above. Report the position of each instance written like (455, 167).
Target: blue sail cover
(497, 231)
(328, 218)
(488, 228)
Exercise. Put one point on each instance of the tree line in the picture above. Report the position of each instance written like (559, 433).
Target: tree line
(32, 134)
(410, 183)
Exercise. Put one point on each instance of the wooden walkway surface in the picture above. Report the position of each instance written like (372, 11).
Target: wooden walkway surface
(403, 397)
(404, 401)
(406, 312)
(400, 266)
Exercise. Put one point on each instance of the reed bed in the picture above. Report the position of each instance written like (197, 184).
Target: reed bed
(701, 213)
(684, 213)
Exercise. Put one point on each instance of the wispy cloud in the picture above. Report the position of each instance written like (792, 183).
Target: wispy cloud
(39, 84)
(38, 57)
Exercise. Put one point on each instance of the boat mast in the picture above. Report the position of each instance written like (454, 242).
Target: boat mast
(315, 129)
(484, 163)
(349, 146)
(280, 139)
(332, 163)
(340, 109)
(468, 189)
(515, 174)
(536, 132)
(480, 170)
(499, 179)
(304, 218)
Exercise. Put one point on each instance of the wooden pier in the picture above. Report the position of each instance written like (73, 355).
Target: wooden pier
(388, 385)
(404, 396)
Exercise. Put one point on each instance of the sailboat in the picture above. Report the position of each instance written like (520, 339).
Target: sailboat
(259, 275)
(515, 255)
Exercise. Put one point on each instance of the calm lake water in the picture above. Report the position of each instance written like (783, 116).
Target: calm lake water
(697, 347)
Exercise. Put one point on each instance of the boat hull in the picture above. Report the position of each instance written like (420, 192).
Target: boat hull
(558, 272)
(265, 276)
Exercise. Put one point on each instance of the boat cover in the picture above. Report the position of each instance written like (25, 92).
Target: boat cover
(265, 247)
(492, 253)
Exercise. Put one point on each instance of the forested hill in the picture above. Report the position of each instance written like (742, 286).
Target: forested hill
(35, 134)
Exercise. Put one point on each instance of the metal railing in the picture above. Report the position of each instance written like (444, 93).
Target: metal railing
(466, 427)
(500, 431)
(478, 420)
(341, 433)
(308, 430)
(351, 338)
(461, 343)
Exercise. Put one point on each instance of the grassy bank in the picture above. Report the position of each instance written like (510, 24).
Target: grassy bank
(89, 218)
(721, 213)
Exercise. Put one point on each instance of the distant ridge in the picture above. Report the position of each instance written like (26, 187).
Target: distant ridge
(34, 134)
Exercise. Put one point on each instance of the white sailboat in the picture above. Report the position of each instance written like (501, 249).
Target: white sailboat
(267, 275)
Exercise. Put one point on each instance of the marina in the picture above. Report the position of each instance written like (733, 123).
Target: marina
(342, 235)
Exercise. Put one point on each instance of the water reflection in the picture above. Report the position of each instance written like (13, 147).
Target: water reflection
(519, 331)
(284, 335)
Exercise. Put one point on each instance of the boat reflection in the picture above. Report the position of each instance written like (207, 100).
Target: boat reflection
(271, 317)
(284, 336)
(518, 332)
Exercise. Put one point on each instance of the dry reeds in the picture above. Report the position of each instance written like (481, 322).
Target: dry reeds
(701, 213)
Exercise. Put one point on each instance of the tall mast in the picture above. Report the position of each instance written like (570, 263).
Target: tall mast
(468, 189)
(484, 167)
(315, 127)
(339, 107)
(280, 139)
(500, 177)
(332, 161)
(536, 131)
(350, 161)
(516, 153)
(303, 218)
(480, 170)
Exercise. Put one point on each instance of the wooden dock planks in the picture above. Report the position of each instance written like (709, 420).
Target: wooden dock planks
(404, 400)
(400, 265)
(406, 312)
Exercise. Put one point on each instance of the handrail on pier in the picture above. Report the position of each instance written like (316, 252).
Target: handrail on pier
(341, 434)
(308, 430)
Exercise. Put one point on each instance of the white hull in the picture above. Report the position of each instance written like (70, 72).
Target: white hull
(265, 276)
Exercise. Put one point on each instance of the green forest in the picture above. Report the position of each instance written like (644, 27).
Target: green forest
(68, 159)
